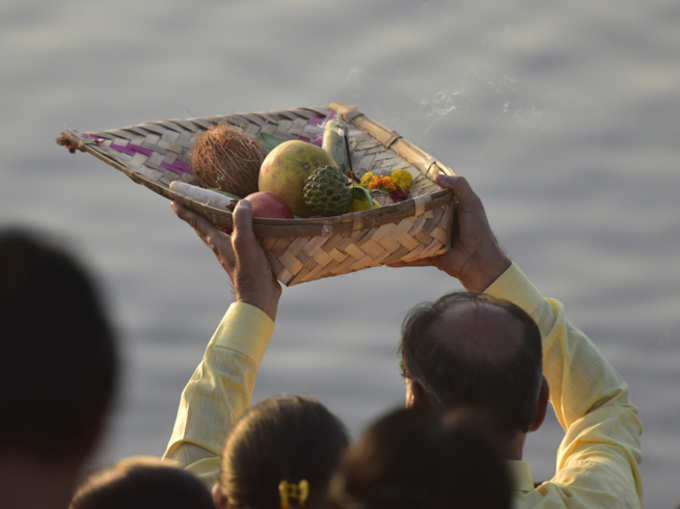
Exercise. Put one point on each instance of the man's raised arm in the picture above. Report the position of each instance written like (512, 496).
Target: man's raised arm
(221, 387)
(598, 459)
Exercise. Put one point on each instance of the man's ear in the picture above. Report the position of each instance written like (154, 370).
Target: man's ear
(415, 395)
(219, 499)
(542, 407)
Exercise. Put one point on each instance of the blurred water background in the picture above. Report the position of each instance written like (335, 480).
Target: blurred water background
(565, 117)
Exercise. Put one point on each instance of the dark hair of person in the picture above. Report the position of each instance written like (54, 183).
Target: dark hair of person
(141, 483)
(450, 377)
(418, 458)
(284, 438)
(59, 362)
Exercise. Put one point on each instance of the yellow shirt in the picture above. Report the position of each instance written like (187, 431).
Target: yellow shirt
(599, 457)
(597, 461)
(219, 390)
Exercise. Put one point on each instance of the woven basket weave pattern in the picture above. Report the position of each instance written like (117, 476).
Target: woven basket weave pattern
(156, 153)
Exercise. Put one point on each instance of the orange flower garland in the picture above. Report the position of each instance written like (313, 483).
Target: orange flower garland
(396, 185)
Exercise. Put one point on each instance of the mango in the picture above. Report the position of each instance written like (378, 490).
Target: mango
(284, 170)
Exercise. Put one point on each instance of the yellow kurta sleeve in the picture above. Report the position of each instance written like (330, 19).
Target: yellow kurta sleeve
(219, 390)
(599, 456)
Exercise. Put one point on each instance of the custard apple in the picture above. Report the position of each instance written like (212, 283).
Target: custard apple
(327, 192)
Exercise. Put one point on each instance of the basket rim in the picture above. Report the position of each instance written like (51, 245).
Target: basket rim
(351, 221)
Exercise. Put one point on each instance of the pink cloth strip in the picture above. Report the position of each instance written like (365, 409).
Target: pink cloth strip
(321, 120)
(96, 139)
(317, 121)
(178, 167)
(131, 149)
(316, 141)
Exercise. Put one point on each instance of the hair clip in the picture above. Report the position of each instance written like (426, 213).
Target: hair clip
(292, 492)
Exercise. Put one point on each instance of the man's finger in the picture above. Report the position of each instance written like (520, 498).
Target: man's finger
(243, 238)
(197, 222)
(461, 188)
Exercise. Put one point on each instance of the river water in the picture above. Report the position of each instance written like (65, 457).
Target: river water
(563, 115)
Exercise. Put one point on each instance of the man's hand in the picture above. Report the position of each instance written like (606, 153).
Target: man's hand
(475, 258)
(241, 255)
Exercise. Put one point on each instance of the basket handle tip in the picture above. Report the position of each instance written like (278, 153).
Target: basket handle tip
(65, 140)
(346, 111)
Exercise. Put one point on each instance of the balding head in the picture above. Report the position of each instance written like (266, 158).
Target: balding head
(471, 350)
(479, 331)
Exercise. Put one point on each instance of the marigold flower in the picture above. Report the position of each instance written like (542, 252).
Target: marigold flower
(374, 183)
(366, 179)
(399, 180)
(387, 184)
(402, 178)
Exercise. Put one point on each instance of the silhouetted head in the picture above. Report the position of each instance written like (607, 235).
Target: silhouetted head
(142, 482)
(472, 350)
(420, 459)
(281, 441)
(59, 362)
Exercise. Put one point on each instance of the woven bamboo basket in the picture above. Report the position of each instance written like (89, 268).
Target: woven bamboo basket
(301, 249)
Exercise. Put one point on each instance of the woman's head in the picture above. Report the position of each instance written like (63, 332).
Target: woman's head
(421, 458)
(142, 482)
(285, 439)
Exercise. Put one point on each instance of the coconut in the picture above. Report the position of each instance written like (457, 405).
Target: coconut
(228, 159)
